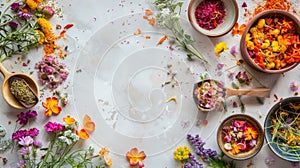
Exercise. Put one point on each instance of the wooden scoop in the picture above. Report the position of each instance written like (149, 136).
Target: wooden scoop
(6, 92)
(221, 92)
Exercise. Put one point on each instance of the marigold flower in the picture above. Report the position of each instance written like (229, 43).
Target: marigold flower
(45, 25)
(220, 47)
(135, 157)
(69, 120)
(51, 106)
(251, 133)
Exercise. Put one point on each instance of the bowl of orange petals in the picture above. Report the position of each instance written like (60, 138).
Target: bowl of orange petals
(240, 137)
(270, 42)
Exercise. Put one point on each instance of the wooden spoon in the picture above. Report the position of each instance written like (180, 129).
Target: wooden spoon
(227, 92)
(6, 92)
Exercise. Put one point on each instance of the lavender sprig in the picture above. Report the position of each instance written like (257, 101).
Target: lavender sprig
(192, 162)
(209, 156)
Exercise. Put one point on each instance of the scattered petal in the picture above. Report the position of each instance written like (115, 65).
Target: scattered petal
(162, 40)
(172, 99)
(244, 5)
(88, 124)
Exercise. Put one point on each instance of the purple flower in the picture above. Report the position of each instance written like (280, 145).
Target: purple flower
(33, 132)
(25, 150)
(232, 51)
(21, 164)
(24, 116)
(54, 127)
(15, 6)
(220, 66)
(252, 143)
(13, 25)
(19, 134)
(37, 143)
(269, 161)
(24, 15)
(293, 86)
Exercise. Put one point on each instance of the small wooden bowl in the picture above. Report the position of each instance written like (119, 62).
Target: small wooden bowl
(242, 155)
(253, 22)
(231, 16)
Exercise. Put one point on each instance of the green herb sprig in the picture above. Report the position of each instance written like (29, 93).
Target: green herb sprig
(16, 40)
(168, 18)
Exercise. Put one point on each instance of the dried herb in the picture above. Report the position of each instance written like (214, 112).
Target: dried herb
(22, 92)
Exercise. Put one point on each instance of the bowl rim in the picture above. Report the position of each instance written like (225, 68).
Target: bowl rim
(244, 49)
(257, 125)
(198, 28)
(275, 106)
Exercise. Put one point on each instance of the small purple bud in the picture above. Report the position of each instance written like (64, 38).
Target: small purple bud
(15, 6)
(244, 5)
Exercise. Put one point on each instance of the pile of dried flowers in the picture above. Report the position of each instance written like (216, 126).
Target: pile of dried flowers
(239, 137)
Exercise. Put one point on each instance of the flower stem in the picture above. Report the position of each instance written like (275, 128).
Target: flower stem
(258, 81)
(48, 152)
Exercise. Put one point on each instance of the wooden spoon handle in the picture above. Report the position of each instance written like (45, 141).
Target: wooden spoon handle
(4, 71)
(257, 92)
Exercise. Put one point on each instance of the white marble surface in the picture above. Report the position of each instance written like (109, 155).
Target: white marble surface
(89, 17)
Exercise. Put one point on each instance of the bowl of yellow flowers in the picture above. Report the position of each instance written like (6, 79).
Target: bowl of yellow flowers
(270, 42)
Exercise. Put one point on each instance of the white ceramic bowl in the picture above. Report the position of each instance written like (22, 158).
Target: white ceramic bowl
(231, 16)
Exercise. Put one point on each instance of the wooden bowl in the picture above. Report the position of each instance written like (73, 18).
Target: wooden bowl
(231, 16)
(246, 154)
(252, 23)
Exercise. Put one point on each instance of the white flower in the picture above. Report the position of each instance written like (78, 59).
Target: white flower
(165, 12)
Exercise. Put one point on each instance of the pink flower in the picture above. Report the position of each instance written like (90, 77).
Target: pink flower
(47, 11)
(54, 127)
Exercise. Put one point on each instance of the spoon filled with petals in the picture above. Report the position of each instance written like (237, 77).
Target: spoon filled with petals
(209, 94)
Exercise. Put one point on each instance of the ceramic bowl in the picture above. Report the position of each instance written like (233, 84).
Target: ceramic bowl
(253, 22)
(277, 146)
(241, 135)
(231, 16)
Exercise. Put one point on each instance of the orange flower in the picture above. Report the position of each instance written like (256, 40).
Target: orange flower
(51, 106)
(136, 158)
(238, 30)
(104, 154)
(83, 134)
(251, 133)
(236, 148)
(69, 120)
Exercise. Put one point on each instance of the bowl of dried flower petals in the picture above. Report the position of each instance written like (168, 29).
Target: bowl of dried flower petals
(270, 42)
(240, 136)
(282, 129)
(213, 17)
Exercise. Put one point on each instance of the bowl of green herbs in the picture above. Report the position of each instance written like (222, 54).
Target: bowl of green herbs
(282, 129)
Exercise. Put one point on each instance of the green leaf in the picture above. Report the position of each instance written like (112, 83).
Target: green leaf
(188, 39)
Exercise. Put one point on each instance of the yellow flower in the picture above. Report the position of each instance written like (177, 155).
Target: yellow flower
(42, 39)
(104, 154)
(69, 120)
(45, 25)
(33, 4)
(182, 153)
(103, 151)
(220, 47)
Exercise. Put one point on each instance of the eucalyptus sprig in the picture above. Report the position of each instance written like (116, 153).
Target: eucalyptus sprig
(168, 18)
